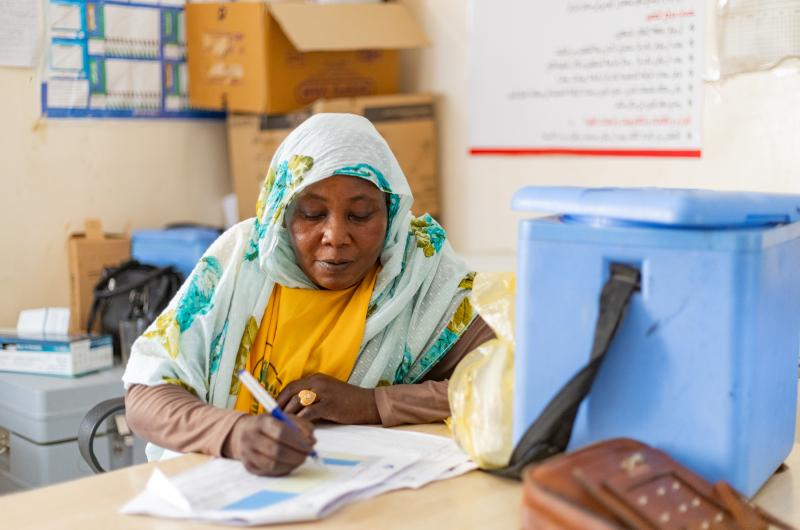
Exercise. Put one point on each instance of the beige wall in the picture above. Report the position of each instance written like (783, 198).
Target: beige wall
(147, 173)
(53, 174)
(751, 141)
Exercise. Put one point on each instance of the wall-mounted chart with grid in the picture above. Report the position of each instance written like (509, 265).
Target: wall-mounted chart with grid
(757, 34)
(117, 59)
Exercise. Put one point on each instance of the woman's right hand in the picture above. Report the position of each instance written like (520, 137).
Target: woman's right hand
(267, 446)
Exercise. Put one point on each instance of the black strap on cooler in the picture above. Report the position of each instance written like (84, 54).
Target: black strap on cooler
(549, 434)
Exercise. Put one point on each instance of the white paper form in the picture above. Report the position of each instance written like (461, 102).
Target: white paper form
(441, 457)
(19, 32)
(132, 31)
(64, 20)
(66, 59)
(591, 77)
(132, 84)
(223, 491)
(68, 93)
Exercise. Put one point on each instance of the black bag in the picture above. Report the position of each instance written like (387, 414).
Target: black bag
(549, 434)
(128, 291)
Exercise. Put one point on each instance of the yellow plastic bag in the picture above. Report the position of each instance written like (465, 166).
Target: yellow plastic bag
(481, 387)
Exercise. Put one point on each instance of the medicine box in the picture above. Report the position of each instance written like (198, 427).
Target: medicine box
(59, 355)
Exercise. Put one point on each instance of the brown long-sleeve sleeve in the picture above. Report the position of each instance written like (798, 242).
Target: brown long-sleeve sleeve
(174, 419)
(427, 402)
(171, 417)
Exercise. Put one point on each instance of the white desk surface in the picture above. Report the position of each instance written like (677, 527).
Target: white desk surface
(475, 500)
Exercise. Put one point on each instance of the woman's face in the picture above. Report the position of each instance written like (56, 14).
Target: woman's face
(337, 228)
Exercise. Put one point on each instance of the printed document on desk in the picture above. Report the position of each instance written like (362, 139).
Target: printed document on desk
(359, 462)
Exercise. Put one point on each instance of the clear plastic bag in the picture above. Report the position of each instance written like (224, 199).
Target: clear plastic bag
(480, 389)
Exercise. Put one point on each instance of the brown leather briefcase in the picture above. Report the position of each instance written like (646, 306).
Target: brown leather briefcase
(625, 484)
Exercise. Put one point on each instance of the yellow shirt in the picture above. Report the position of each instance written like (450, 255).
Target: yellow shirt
(305, 331)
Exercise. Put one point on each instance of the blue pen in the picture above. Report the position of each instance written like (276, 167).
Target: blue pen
(269, 403)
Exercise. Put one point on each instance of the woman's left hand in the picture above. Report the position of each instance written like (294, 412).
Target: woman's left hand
(336, 401)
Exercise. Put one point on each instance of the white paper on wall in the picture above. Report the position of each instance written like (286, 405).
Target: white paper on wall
(757, 34)
(592, 77)
(20, 34)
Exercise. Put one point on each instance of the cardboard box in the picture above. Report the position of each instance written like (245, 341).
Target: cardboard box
(252, 141)
(274, 58)
(88, 253)
(407, 122)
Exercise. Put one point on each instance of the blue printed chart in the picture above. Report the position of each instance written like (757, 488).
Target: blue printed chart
(117, 59)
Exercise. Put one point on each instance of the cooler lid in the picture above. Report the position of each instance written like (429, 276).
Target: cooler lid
(183, 234)
(658, 206)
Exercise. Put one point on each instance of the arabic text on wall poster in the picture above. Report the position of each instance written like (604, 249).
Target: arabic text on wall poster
(598, 77)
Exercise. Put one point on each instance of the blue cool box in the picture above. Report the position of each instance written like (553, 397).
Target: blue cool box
(180, 247)
(704, 365)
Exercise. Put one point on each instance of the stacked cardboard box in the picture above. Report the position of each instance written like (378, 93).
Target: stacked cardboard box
(89, 252)
(406, 121)
(271, 65)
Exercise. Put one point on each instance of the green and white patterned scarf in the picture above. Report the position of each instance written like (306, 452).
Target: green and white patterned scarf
(418, 308)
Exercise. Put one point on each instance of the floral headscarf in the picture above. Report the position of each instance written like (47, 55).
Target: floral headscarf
(418, 308)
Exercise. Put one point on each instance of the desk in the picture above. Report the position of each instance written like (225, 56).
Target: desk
(474, 500)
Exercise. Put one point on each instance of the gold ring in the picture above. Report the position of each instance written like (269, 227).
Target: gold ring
(307, 397)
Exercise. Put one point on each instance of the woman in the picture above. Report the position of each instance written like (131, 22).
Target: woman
(344, 306)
